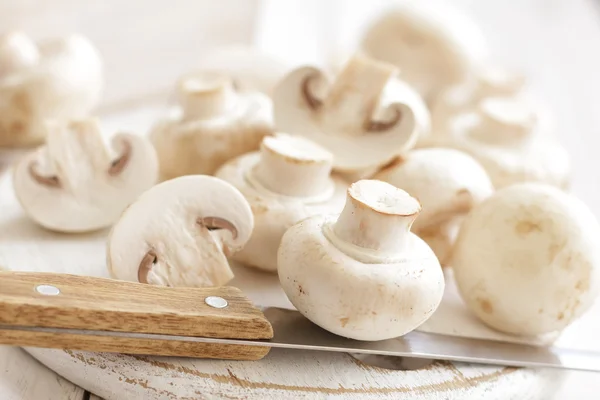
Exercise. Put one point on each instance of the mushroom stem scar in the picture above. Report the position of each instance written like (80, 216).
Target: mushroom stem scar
(146, 265)
(120, 162)
(381, 126)
(218, 223)
(312, 101)
(51, 181)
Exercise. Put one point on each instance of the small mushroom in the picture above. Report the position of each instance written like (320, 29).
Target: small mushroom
(527, 259)
(212, 124)
(448, 184)
(288, 180)
(434, 45)
(366, 117)
(362, 274)
(179, 233)
(509, 138)
(251, 69)
(55, 79)
(75, 183)
(489, 81)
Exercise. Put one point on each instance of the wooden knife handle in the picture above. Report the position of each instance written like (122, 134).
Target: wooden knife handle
(49, 300)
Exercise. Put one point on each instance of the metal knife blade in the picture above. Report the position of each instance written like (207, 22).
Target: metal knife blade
(294, 331)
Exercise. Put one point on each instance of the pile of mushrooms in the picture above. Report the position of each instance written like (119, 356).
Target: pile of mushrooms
(54, 79)
(320, 177)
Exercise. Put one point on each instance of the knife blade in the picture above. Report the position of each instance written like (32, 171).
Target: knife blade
(230, 328)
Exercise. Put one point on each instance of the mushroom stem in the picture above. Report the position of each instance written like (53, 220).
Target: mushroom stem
(293, 166)
(504, 119)
(205, 95)
(499, 81)
(377, 216)
(355, 93)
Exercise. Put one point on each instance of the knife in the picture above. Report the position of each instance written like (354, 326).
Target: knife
(49, 310)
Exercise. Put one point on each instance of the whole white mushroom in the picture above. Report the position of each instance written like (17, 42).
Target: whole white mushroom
(76, 183)
(527, 259)
(435, 45)
(55, 79)
(212, 124)
(288, 180)
(509, 138)
(362, 274)
(448, 183)
(179, 233)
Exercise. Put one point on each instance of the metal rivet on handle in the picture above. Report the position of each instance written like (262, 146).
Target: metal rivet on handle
(216, 302)
(47, 290)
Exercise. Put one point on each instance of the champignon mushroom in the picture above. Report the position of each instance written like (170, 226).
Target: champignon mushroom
(212, 124)
(75, 183)
(288, 180)
(509, 139)
(362, 274)
(180, 232)
(527, 260)
(251, 69)
(366, 117)
(489, 81)
(448, 184)
(434, 45)
(56, 79)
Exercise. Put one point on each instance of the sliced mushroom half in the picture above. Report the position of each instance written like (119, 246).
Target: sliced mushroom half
(365, 117)
(180, 232)
(76, 183)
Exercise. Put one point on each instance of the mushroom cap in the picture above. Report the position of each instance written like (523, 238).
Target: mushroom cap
(75, 183)
(63, 83)
(512, 143)
(355, 146)
(167, 237)
(17, 51)
(448, 183)
(355, 299)
(236, 124)
(434, 45)
(527, 259)
(251, 69)
(274, 213)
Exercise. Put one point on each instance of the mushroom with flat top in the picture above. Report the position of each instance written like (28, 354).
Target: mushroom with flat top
(512, 142)
(365, 118)
(76, 183)
(179, 233)
(212, 124)
(448, 183)
(362, 274)
(288, 180)
(527, 260)
(55, 79)
(435, 45)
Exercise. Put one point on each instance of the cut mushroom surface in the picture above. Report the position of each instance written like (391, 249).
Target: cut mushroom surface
(448, 183)
(507, 137)
(365, 117)
(212, 124)
(527, 259)
(288, 180)
(180, 232)
(76, 183)
(435, 46)
(362, 274)
(55, 79)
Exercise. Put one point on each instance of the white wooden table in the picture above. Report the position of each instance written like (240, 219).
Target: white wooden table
(556, 41)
